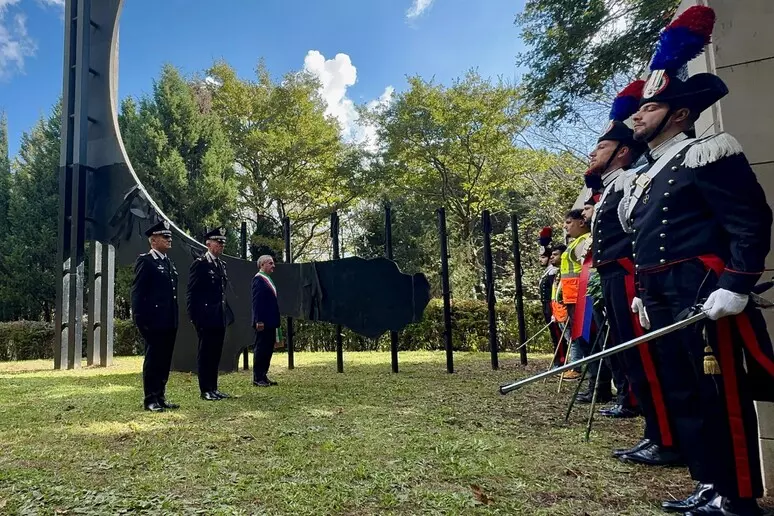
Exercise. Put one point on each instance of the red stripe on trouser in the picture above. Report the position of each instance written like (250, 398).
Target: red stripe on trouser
(751, 343)
(749, 340)
(730, 385)
(734, 409)
(647, 360)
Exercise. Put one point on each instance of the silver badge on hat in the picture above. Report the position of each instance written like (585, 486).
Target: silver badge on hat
(657, 82)
(222, 231)
(166, 224)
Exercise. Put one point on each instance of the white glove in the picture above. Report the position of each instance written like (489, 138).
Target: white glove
(722, 303)
(553, 319)
(639, 308)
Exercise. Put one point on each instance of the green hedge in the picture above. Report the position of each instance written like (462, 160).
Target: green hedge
(27, 340)
(31, 340)
(470, 330)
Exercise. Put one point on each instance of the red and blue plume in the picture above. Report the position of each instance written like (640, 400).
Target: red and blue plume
(545, 236)
(684, 38)
(627, 101)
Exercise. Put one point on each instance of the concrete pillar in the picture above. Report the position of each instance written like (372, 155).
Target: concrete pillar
(742, 54)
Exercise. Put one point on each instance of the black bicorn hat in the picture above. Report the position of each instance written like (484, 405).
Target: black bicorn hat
(681, 41)
(217, 234)
(160, 228)
(624, 106)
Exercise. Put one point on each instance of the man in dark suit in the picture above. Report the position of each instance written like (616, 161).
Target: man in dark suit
(154, 308)
(209, 311)
(266, 320)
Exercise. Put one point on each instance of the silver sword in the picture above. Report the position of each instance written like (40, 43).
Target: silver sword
(541, 330)
(679, 325)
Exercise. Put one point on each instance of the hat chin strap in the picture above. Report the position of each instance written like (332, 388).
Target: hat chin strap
(613, 155)
(661, 125)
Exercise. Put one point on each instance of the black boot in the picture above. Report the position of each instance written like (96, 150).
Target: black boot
(654, 455)
(619, 411)
(637, 447)
(724, 506)
(700, 496)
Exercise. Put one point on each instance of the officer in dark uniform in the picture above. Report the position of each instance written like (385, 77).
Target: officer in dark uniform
(702, 230)
(154, 308)
(209, 311)
(636, 374)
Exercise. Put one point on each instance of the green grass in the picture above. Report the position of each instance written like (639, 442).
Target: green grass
(363, 442)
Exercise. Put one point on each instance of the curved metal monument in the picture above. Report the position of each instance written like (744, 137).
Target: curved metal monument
(103, 201)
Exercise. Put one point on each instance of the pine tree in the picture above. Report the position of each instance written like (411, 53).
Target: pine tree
(5, 193)
(33, 211)
(181, 154)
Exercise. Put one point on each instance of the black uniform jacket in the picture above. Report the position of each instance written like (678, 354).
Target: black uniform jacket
(611, 242)
(154, 292)
(705, 201)
(206, 296)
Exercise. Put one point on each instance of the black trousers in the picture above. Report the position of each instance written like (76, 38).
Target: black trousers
(637, 365)
(713, 414)
(208, 358)
(159, 345)
(263, 348)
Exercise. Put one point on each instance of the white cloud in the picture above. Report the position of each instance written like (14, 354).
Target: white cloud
(335, 76)
(15, 43)
(418, 7)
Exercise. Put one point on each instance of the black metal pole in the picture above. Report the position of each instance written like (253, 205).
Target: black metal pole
(243, 241)
(339, 343)
(447, 326)
(518, 272)
(243, 255)
(490, 294)
(288, 259)
(389, 255)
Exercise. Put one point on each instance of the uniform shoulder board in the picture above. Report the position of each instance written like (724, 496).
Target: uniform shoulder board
(711, 149)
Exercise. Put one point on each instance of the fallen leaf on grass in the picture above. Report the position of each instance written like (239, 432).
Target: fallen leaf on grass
(572, 473)
(479, 495)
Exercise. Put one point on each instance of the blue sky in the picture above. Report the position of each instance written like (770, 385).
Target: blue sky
(380, 42)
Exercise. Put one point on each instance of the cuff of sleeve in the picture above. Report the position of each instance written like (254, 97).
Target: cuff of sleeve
(739, 282)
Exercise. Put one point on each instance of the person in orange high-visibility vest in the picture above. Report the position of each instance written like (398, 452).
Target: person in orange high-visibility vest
(576, 228)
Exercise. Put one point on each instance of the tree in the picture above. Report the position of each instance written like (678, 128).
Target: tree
(455, 147)
(577, 48)
(33, 211)
(5, 174)
(180, 152)
(291, 158)
(5, 193)
(414, 235)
